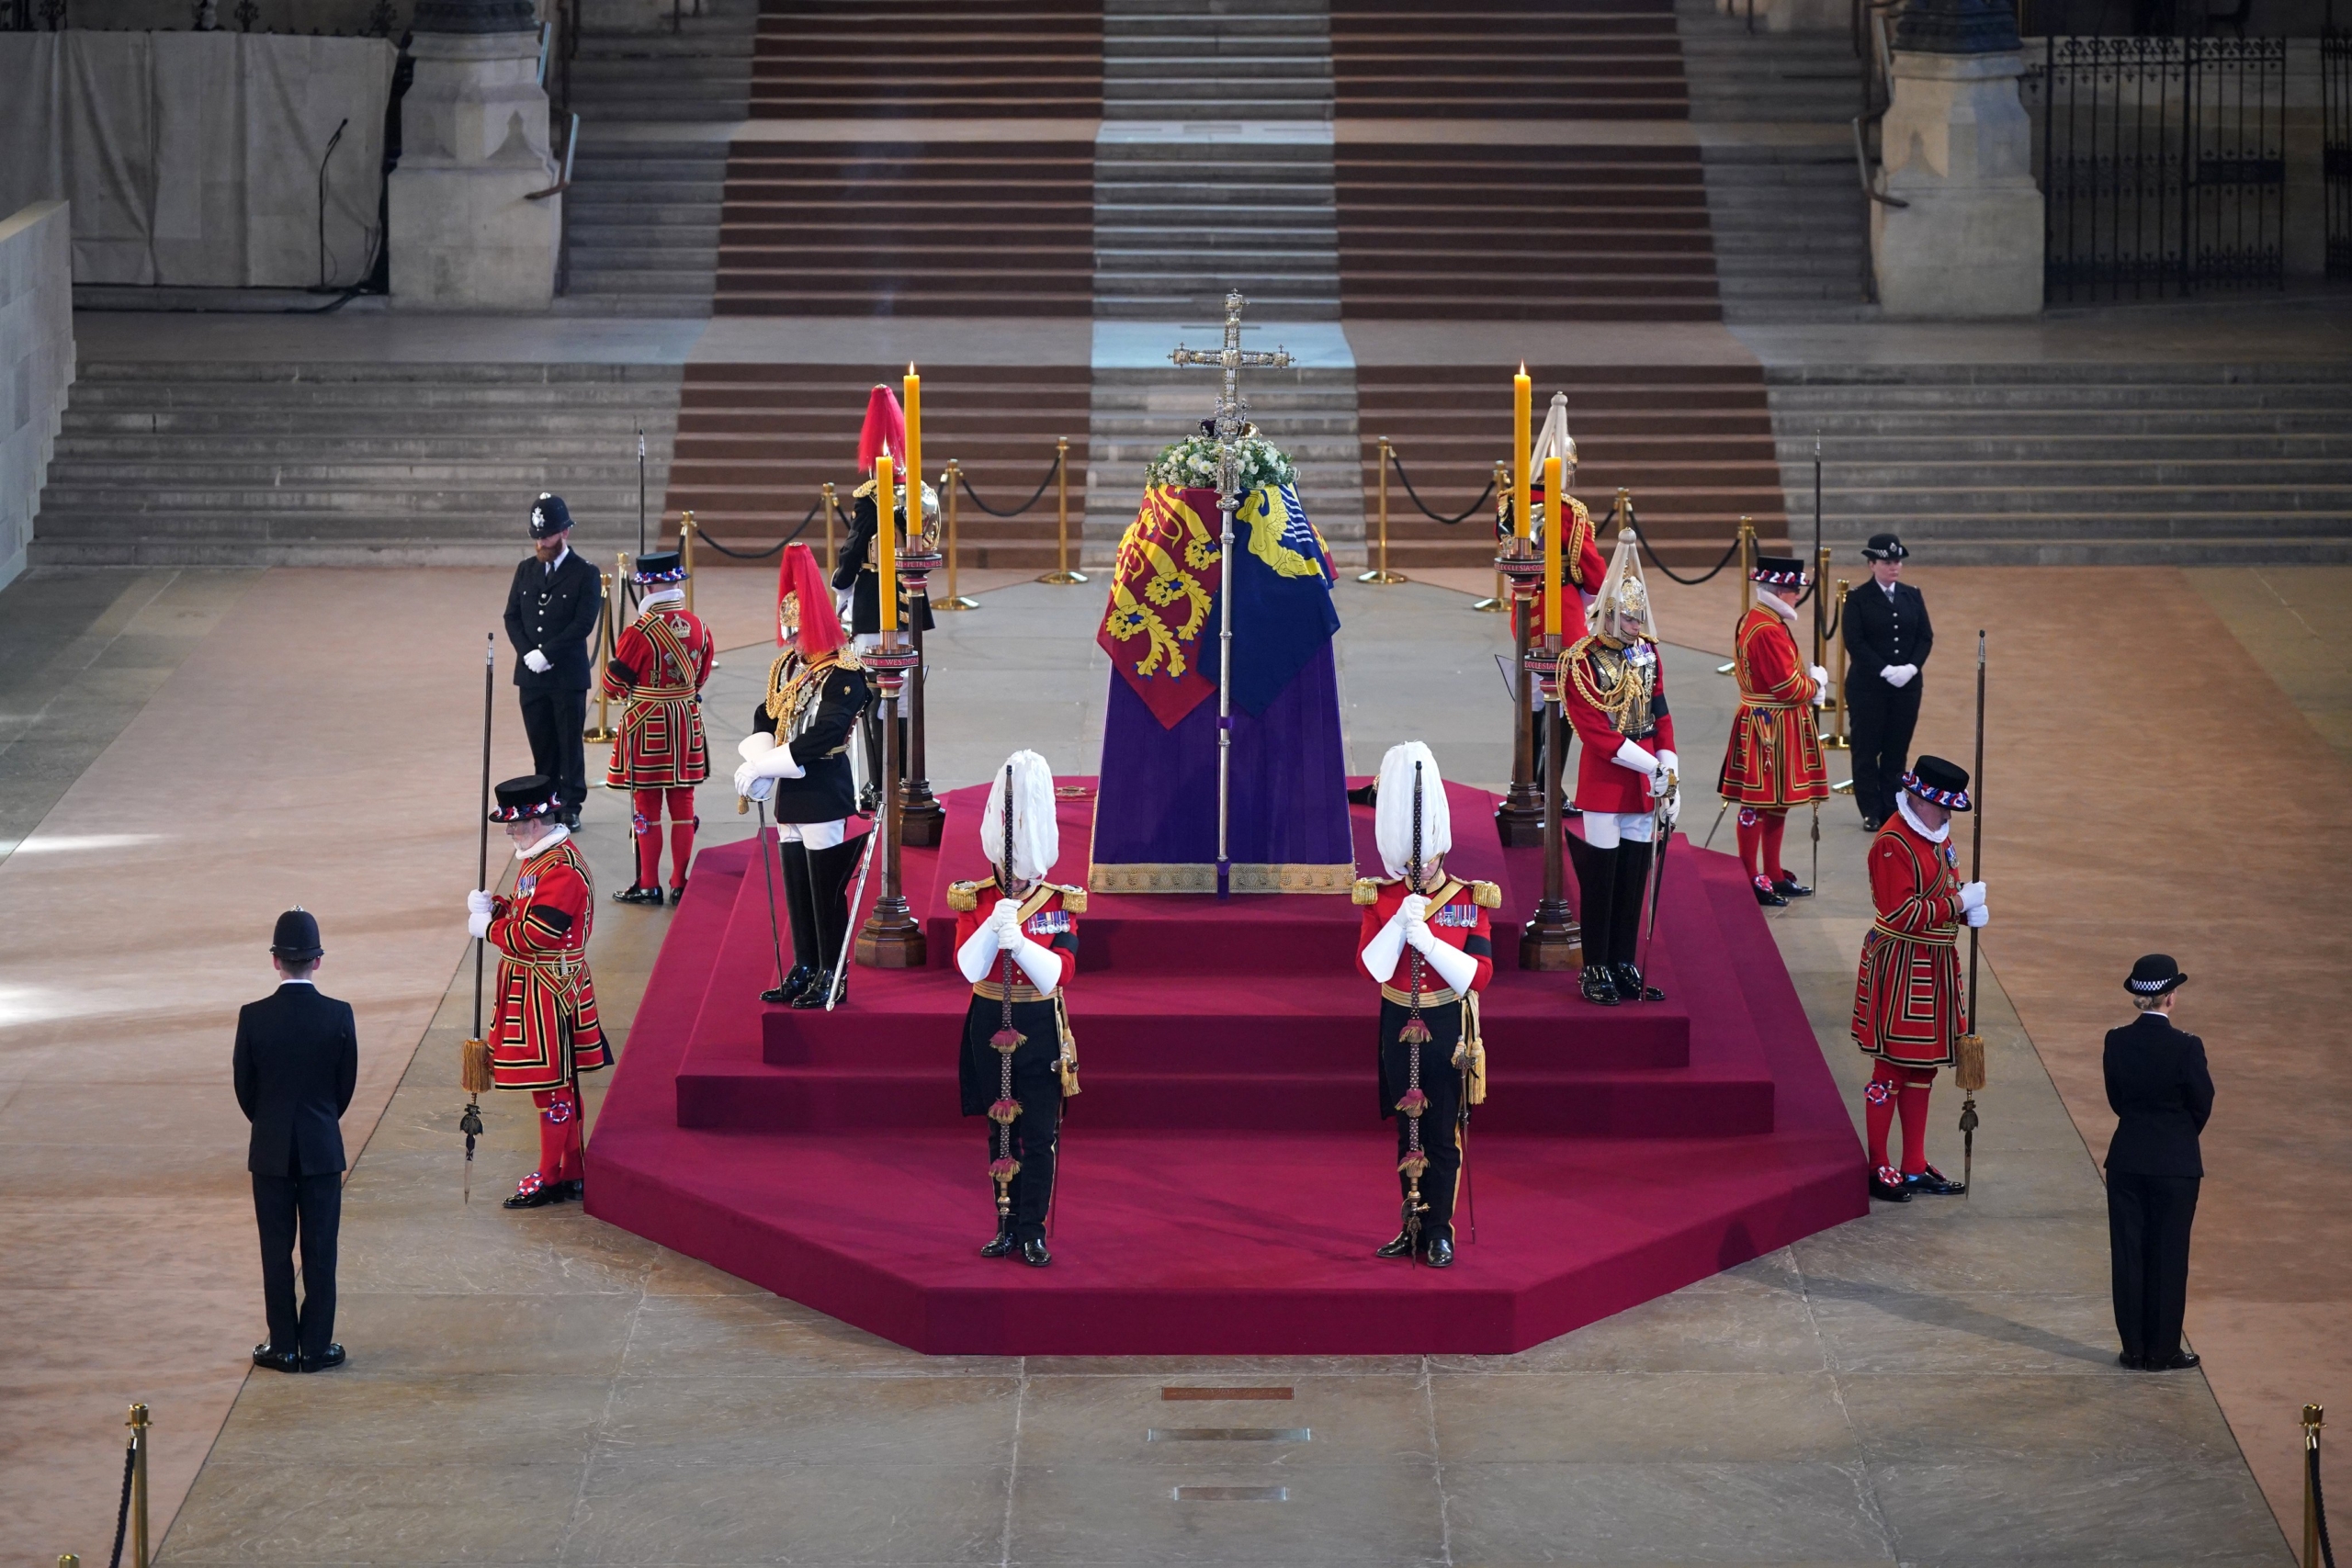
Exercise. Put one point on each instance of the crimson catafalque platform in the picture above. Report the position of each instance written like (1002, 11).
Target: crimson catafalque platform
(1225, 1176)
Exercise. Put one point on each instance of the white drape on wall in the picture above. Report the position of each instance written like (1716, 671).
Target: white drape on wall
(193, 158)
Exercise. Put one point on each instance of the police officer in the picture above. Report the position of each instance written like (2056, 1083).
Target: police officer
(552, 609)
(1887, 639)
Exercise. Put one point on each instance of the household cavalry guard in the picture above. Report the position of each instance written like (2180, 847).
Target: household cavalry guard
(1425, 941)
(545, 1032)
(659, 668)
(1908, 1009)
(1580, 556)
(1773, 760)
(797, 756)
(1614, 688)
(858, 570)
(1016, 942)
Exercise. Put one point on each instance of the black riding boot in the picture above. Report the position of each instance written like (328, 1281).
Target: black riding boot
(802, 911)
(1626, 922)
(829, 874)
(1596, 871)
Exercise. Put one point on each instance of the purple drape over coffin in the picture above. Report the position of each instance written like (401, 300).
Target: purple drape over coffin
(1158, 802)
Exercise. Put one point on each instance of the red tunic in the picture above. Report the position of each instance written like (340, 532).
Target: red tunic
(1581, 570)
(1907, 1003)
(546, 997)
(666, 657)
(1774, 757)
(1457, 914)
(1048, 916)
(1602, 783)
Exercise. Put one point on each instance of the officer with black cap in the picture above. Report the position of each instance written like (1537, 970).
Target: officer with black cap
(1887, 640)
(2161, 1092)
(551, 609)
(297, 1062)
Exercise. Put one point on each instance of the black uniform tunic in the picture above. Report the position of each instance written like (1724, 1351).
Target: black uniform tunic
(826, 791)
(858, 570)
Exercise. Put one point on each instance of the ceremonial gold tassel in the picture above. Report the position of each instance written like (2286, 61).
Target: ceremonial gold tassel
(1968, 1064)
(473, 1068)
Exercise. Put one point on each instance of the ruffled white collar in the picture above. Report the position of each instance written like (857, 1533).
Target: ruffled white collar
(545, 844)
(1933, 835)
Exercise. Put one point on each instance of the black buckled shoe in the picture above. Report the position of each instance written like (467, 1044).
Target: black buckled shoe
(794, 984)
(2179, 1361)
(1768, 894)
(571, 818)
(678, 894)
(1401, 1247)
(2130, 1362)
(818, 990)
(333, 1358)
(1440, 1253)
(1790, 887)
(1935, 1184)
(1870, 823)
(1034, 1253)
(999, 1245)
(1597, 986)
(636, 895)
(1888, 1186)
(1632, 988)
(535, 1193)
(272, 1359)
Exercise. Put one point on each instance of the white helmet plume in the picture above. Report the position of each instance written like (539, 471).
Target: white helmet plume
(1392, 812)
(1553, 441)
(1036, 835)
(1623, 611)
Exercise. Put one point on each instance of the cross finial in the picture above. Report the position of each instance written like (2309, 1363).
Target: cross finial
(1232, 359)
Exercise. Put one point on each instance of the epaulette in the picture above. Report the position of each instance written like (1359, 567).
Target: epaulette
(1485, 895)
(963, 896)
(865, 489)
(1073, 899)
(1366, 891)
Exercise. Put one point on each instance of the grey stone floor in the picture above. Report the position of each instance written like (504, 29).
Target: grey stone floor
(1932, 1384)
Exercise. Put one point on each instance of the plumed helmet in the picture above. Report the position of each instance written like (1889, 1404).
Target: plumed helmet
(1622, 613)
(1392, 809)
(885, 431)
(1036, 832)
(805, 615)
(1553, 441)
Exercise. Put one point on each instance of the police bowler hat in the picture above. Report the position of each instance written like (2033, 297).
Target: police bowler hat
(2155, 975)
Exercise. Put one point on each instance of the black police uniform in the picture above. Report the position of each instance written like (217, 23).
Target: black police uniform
(554, 609)
(1880, 629)
(2158, 1086)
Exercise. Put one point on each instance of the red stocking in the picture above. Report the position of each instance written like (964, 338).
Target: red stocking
(558, 1133)
(1751, 840)
(1877, 1113)
(1775, 824)
(682, 823)
(1912, 1102)
(645, 819)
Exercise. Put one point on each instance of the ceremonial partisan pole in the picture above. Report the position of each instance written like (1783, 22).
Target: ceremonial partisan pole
(1231, 358)
(1968, 1064)
(473, 1059)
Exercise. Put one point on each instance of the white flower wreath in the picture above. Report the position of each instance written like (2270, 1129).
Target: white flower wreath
(1192, 463)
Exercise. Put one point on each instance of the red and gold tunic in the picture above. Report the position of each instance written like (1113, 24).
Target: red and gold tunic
(1614, 692)
(1908, 1004)
(547, 1000)
(1774, 757)
(1457, 914)
(1050, 913)
(1581, 572)
(659, 666)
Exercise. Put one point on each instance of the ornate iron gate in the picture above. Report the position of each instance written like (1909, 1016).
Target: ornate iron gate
(2164, 167)
(2335, 97)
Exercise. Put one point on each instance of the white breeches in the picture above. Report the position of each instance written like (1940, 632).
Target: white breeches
(1604, 829)
(816, 835)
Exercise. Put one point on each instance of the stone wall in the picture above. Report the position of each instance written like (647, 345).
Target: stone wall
(36, 364)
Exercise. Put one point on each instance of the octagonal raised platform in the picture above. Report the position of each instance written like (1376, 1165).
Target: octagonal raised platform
(1225, 1175)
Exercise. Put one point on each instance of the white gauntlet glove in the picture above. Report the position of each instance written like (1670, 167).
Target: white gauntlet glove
(1820, 685)
(753, 744)
(537, 663)
(1631, 755)
(775, 762)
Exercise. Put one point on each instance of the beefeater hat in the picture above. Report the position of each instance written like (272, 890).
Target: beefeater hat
(805, 615)
(532, 795)
(661, 565)
(1778, 571)
(884, 430)
(1943, 783)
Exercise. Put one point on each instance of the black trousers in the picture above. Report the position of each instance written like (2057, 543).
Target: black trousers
(1442, 1081)
(556, 721)
(1036, 1139)
(314, 1206)
(2147, 1231)
(1879, 719)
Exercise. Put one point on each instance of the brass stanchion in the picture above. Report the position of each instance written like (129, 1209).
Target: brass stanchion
(2312, 1422)
(686, 555)
(1381, 574)
(949, 482)
(1500, 601)
(607, 641)
(138, 1424)
(68, 1560)
(1061, 573)
(1839, 742)
(831, 505)
(1746, 581)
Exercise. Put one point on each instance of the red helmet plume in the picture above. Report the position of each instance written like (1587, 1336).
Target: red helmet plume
(804, 602)
(885, 428)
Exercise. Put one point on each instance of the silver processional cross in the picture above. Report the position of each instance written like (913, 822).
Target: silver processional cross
(1232, 359)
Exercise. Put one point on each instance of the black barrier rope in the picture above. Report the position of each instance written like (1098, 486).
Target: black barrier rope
(2319, 1502)
(762, 555)
(965, 480)
(1644, 538)
(122, 1509)
(1473, 509)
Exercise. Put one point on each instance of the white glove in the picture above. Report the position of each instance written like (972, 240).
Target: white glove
(1820, 685)
(478, 903)
(1898, 675)
(1673, 811)
(1415, 907)
(1670, 762)
(1006, 917)
(1971, 896)
(478, 923)
(775, 762)
(1453, 965)
(537, 663)
(753, 744)
(748, 782)
(1419, 936)
(1631, 755)
(1978, 916)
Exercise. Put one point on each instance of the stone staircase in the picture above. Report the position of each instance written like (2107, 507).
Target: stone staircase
(1508, 59)
(1736, 75)
(1195, 60)
(346, 464)
(960, 59)
(2076, 464)
(1310, 414)
(642, 216)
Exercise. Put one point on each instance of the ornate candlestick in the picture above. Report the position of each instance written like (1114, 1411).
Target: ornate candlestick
(1550, 940)
(922, 819)
(891, 937)
(1519, 820)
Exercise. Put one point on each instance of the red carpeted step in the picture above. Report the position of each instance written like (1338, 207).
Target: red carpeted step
(1508, 59)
